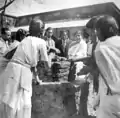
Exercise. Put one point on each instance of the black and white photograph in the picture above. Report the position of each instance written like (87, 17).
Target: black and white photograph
(59, 58)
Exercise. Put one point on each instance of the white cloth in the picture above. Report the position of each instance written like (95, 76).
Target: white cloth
(89, 48)
(13, 44)
(78, 50)
(3, 47)
(50, 42)
(107, 56)
(17, 78)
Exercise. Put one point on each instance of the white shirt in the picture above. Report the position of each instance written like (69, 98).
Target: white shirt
(107, 56)
(3, 47)
(78, 50)
(30, 50)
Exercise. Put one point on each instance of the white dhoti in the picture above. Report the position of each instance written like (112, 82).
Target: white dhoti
(21, 111)
(16, 93)
(16, 80)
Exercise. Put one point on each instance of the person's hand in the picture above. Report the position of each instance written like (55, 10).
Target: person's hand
(70, 60)
(96, 103)
(63, 59)
(57, 51)
(36, 80)
(85, 70)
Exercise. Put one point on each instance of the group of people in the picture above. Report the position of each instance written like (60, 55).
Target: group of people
(8, 44)
(67, 48)
(19, 58)
(104, 62)
(63, 44)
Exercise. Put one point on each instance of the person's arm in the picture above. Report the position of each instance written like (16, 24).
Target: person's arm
(57, 50)
(80, 59)
(36, 79)
(96, 102)
(44, 56)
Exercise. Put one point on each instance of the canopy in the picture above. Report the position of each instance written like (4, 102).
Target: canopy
(60, 24)
(27, 7)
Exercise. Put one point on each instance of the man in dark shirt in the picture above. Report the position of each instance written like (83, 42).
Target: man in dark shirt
(63, 44)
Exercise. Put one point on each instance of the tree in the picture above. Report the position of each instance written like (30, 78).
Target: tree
(3, 9)
(6, 4)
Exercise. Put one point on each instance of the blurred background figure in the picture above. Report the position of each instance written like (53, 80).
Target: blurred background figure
(49, 34)
(6, 34)
(48, 37)
(78, 48)
(63, 44)
(17, 38)
(52, 50)
(9, 49)
(20, 35)
(5, 41)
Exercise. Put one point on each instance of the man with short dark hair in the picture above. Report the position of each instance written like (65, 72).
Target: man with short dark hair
(91, 68)
(49, 41)
(63, 44)
(6, 34)
(4, 48)
(48, 38)
(16, 81)
(107, 56)
(5, 40)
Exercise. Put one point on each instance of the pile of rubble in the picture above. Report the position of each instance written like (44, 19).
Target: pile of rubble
(53, 100)
(59, 98)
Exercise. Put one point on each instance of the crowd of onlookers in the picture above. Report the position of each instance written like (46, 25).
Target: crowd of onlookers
(95, 53)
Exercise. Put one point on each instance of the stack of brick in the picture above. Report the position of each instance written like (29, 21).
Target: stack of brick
(60, 70)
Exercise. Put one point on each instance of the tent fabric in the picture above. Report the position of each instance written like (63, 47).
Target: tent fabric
(27, 7)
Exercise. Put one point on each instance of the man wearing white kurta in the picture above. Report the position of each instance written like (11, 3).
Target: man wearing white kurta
(107, 55)
(17, 78)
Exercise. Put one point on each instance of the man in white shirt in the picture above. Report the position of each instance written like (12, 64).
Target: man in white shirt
(78, 49)
(5, 40)
(16, 82)
(107, 55)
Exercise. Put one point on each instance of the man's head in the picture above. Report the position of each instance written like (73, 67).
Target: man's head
(106, 27)
(64, 35)
(20, 34)
(78, 35)
(6, 34)
(90, 26)
(49, 32)
(36, 27)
